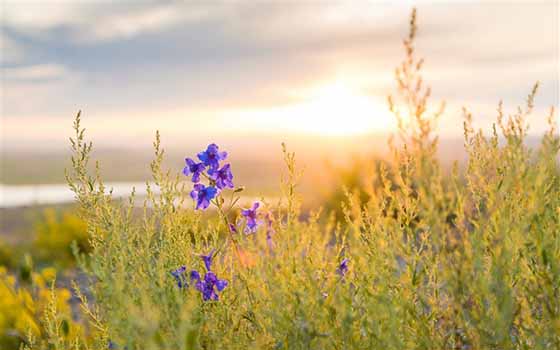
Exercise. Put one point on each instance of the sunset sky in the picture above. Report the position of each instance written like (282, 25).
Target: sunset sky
(237, 70)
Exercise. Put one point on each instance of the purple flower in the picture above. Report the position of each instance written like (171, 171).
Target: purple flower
(203, 195)
(223, 177)
(208, 260)
(221, 285)
(193, 168)
(343, 267)
(251, 216)
(232, 228)
(211, 157)
(195, 276)
(209, 286)
(179, 275)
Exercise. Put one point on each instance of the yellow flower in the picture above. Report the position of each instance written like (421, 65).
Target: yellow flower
(49, 274)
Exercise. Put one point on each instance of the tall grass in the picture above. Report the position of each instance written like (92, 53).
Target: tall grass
(435, 260)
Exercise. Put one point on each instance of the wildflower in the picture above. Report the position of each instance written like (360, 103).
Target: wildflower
(343, 267)
(208, 259)
(251, 216)
(203, 195)
(211, 157)
(195, 276)
(179, 275)
(221, 284)
(210, 284)
(223, 177)
(193, 168)
(232, 228)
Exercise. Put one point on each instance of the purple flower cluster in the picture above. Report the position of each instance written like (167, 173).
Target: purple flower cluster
(209, 285)
(208, 167)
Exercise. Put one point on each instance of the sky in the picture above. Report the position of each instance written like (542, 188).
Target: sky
(250, 70)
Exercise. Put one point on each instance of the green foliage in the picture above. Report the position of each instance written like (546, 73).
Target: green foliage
(436, 260)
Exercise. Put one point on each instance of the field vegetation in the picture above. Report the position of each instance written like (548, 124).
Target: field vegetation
(406, 255)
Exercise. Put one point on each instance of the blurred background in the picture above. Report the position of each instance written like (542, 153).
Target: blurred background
(248, 76)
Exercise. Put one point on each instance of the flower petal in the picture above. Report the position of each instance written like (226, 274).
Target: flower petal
(221, 284)
(195, 276)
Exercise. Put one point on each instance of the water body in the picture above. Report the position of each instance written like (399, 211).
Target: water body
(13, 196)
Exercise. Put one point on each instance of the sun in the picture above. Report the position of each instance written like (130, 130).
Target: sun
(337, 109)
(333, 109)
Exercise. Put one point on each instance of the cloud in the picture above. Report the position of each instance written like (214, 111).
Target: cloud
(95, 21)
(39, 72)
(138, 22)
(10, 51)
(152, 59)
(36, 16)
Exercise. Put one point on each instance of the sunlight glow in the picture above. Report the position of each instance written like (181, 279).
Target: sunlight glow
(332, 110)
(338, 110)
